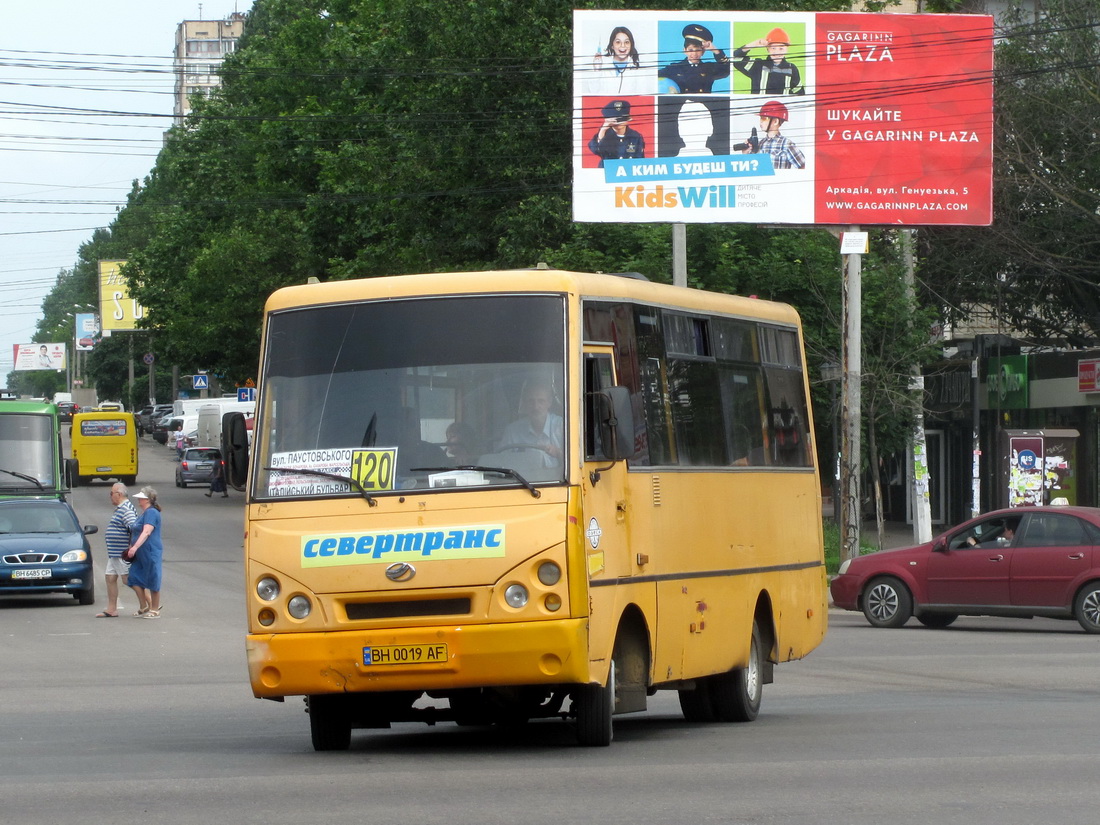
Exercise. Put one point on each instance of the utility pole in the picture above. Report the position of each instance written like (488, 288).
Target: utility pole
(922, 511)
(851, 356)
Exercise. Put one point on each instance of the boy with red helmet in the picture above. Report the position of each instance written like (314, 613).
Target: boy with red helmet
(784, 153)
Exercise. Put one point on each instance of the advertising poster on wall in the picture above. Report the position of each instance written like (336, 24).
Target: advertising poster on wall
(782, 118)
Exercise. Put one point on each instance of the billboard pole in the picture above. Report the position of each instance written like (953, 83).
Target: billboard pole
(679, 255)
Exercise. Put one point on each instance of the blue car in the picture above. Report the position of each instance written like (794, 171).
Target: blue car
(44, 549)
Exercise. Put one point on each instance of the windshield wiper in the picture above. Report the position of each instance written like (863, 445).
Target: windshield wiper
(507, 471)
(346, 479)
(25, 477)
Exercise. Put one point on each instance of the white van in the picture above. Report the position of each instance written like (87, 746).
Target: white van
(210, 420)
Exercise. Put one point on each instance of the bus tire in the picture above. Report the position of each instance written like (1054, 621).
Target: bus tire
(593, 706)
(329, 725)
(696, 703)
(129, 481)
(737, 693)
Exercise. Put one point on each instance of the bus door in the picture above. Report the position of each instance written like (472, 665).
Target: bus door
(608, 440)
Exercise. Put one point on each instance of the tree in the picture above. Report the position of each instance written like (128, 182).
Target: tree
(1039, 263)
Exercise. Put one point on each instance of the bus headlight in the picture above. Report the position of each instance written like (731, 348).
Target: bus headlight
(515, 595)
(267, 589)
(549, 573)
(299, 607)
(74, 555)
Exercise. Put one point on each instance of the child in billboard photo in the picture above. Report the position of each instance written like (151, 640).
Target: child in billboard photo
(774, 75)
(617, 67)
(615, 139)
(784, 153)
(693, 126)
(693, 74)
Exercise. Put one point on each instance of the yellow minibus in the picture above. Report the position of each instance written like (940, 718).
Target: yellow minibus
(104, 445)
(489, 497)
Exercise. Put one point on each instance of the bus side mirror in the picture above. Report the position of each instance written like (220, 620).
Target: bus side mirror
(615, 423)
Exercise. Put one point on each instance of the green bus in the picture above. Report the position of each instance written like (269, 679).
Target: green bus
(31, 461)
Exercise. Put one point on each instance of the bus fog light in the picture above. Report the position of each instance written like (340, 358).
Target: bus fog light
(266, 617)
(549, 573)
(552, 602)
(516, 595)
(267, 589)
(299, 607)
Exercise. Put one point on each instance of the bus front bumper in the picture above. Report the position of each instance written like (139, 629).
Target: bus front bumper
(423, 658)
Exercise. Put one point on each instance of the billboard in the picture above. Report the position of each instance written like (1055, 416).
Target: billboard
(86, 332)
(117, 309)
(782, 118)
(40, 357)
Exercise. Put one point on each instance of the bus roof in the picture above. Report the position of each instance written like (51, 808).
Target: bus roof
(40, 407)
(609, 287)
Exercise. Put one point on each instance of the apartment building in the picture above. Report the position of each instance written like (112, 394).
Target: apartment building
(201, 45)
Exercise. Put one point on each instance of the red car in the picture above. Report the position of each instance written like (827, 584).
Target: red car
(1038, 561)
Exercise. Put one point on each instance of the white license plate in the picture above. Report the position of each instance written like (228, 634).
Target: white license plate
(34, 573)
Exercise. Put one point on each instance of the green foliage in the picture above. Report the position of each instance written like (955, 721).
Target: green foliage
(1043, 249)
(356, 138)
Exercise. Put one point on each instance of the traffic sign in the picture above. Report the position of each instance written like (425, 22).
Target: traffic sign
(200, 382)
(148, 358)
(246, 393)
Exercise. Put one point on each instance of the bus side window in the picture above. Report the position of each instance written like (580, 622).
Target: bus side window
(598, 375)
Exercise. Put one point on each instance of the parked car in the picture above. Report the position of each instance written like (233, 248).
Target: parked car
(161, 428)
(199, 465)
(65, 411)
(44, 549)
(1038, 561)
(149, 415)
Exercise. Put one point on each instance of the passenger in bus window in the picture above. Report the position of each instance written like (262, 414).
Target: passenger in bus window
(461, 446)
(539, 429)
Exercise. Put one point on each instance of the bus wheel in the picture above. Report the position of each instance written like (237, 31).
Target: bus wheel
(737, 694)
(593, 706)
(697, 704)
(329, 725)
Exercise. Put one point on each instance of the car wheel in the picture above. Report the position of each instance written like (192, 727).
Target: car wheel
(887, 603)
(1086, 607)
(737, 694)
(593, 705)
(85, 597)
(937, 620)
(329, 725)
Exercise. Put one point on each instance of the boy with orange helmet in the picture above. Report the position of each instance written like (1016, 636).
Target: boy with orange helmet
(774, 76)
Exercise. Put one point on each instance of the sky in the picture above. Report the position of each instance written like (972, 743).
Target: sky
(85, 96)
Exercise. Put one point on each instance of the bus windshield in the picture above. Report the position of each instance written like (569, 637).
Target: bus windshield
(28, 453)
(429, 393)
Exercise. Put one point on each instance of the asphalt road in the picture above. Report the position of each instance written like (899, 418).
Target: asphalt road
(137, 721)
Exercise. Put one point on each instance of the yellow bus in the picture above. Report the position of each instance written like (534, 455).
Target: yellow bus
(489, 497)
(104, 445)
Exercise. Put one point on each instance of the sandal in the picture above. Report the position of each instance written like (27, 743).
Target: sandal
(106, 615)
(151, 614)
(141, 612)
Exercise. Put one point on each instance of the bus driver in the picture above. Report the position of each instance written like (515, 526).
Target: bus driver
(540, 428)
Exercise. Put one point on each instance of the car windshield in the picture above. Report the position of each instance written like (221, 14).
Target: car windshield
(415, 394)
(36, 517)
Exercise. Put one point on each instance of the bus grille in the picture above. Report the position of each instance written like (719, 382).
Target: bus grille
(403, 610)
